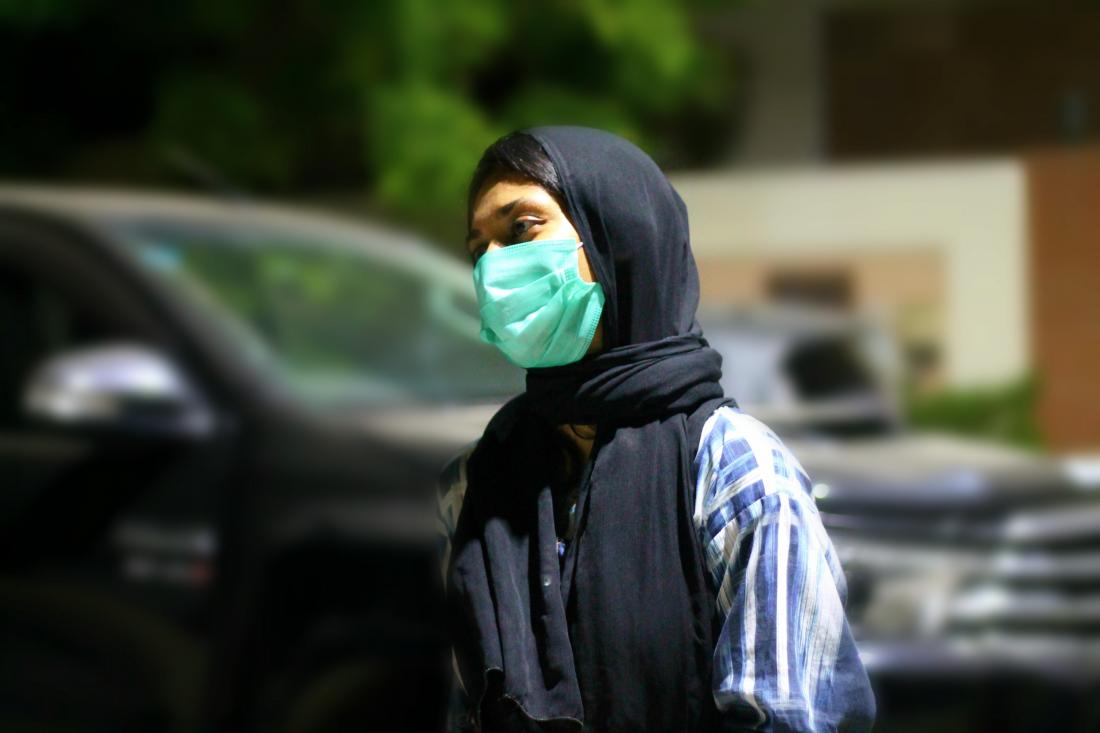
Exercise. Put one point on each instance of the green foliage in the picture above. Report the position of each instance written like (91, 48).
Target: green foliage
(654, 54)
(424, 142)
(454, 76)
(1005, 414)
(397, 97)
(221, 121)
(35, 13)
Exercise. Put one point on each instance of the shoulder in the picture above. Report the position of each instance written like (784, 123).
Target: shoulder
(739, 462)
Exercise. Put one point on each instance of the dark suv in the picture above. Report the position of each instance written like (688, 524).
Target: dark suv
(220, 425)
(973, 569)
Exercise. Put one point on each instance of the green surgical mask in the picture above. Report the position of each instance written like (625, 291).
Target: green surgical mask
(534, 305)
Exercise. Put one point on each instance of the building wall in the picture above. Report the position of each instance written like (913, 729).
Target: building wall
(779, 49)
(1064, 193)
(968, 218)
(948, 79)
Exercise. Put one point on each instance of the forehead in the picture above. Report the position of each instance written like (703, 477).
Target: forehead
(500, 193)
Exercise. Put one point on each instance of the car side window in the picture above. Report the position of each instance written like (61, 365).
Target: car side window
(36, 321)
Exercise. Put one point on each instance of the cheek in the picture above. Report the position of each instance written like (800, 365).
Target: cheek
(585, 269)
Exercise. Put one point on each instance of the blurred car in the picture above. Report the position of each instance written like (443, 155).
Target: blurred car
(973, 569)
(220, 426)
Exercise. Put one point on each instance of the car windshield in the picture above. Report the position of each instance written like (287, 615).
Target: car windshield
(338, 322)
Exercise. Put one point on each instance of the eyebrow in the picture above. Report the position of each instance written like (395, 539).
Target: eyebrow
(502, 211)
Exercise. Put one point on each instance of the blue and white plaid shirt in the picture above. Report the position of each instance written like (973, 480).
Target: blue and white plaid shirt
(785, 659)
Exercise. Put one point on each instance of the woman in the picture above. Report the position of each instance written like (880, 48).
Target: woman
(629, 551)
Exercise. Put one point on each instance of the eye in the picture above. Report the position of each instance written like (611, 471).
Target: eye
(522, 227)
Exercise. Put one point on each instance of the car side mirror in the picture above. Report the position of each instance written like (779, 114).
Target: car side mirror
(119, 387)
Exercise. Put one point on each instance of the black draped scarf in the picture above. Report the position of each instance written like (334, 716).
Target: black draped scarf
(621, 638)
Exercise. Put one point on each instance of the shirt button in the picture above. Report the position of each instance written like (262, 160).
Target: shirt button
(546, 581)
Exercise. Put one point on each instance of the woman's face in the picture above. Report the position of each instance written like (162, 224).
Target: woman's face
(509, 212)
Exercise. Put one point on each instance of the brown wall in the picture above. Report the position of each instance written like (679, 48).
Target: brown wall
(1064, 211)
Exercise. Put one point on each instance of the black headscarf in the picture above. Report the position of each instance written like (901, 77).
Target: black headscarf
(622, 637)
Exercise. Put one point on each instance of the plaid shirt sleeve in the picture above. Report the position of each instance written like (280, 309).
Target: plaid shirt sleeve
(785, 659)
